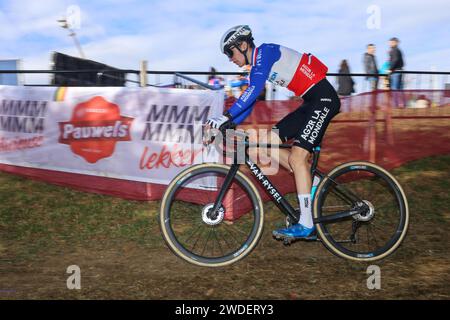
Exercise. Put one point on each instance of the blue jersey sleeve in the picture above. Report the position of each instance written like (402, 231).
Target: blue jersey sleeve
(241, 117)
(267, 55)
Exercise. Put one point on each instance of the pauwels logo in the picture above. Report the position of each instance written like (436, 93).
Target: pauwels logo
(94, 129)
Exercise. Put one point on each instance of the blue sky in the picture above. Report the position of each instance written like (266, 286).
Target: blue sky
(184, 35)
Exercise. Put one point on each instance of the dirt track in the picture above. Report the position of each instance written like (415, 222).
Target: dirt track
(114, 268)
(302, 271)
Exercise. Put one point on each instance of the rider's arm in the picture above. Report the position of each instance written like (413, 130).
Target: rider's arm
(244, 105)
(241, 117)
(267, 55)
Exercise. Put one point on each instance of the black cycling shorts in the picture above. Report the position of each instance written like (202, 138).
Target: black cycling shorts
(308, 123)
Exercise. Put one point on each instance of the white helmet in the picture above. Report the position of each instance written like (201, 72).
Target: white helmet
(233, 37)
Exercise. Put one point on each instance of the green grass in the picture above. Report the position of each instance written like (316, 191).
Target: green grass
(40, 216)
(427, 185)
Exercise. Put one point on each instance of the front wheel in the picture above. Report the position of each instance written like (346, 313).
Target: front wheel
(200, 236)
(378, 229)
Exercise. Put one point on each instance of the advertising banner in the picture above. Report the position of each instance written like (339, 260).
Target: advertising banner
(137, 134)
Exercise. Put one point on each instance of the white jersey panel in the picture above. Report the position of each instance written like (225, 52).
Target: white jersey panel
(284, 69)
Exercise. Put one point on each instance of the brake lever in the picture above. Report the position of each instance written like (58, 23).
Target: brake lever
(209, 137)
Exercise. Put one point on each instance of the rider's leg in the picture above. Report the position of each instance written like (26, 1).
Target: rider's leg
(281, 156)
(310, 122)
(298, 161)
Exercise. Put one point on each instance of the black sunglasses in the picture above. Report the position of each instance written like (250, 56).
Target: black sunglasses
(229, 52)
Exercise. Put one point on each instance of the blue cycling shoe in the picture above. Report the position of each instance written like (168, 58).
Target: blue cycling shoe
(297, 231)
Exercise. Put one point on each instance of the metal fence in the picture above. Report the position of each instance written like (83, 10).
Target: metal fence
(412, 80)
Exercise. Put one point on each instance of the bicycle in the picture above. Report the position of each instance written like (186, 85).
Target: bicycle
(346, 203)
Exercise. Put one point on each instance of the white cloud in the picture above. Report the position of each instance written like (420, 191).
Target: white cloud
(184, 35)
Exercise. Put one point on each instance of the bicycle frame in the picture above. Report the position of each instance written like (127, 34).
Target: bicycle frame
(273, 192)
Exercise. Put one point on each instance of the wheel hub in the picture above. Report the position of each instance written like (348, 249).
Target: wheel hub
(368, 215)
(208, 219)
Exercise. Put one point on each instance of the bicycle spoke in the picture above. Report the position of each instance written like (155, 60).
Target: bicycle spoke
(342, 192)
(382, 225)
(192, 233)
(236, 230)
(371, 231)
(226, 241)
(213, 232)
(231, 234)
(218, 241)
(206, 243)
(378, 208)
(368, 237)
(195, 244)
(376, 226)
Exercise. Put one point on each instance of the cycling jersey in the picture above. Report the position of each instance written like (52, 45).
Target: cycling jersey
(282, 66)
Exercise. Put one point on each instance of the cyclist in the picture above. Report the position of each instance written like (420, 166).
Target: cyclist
(303, 74)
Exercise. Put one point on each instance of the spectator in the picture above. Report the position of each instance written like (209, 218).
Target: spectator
(345, 83)
(422, 102)
(345, 86)
(384, 70)
(370, 66)
(241, 82)
(214, 80)
(396, 64)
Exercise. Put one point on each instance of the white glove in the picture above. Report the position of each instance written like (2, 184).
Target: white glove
(217, 122)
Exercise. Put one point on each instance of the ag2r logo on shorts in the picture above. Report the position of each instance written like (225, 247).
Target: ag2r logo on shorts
(314, 125)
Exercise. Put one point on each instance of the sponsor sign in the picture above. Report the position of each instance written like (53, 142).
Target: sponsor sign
(138, 134)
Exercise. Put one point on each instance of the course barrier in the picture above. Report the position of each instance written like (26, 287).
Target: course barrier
(384, 126)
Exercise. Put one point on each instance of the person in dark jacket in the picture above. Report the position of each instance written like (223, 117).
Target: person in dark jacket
(345, 86)
(396, 63)
(370, 66)
(345, 83)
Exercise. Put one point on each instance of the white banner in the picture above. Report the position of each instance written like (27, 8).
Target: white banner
(138, 134)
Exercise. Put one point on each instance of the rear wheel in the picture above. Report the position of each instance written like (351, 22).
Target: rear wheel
(200, 236)
(379, 229)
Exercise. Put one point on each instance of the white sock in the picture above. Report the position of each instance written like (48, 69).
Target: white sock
(305, 210)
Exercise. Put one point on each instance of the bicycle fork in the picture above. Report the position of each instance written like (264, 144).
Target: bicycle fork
(226, 184)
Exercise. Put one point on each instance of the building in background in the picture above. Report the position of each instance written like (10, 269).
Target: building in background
(11, 79)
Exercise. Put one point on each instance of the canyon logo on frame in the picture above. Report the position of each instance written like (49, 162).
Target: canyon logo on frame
(95, 128)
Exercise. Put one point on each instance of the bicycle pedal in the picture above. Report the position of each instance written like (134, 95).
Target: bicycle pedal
(312, 237)
(277, 237)
(289, 240)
